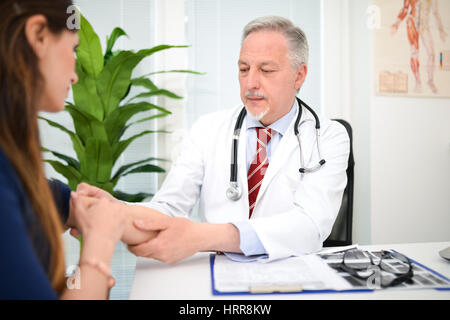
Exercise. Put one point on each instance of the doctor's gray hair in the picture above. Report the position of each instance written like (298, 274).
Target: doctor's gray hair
(296, 38)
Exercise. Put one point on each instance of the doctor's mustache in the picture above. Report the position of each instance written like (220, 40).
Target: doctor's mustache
(254, 94)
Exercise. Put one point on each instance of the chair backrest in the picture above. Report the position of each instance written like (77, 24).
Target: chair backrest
(341, 234)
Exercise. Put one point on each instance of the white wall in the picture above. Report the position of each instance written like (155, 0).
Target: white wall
(402, 145)
(170, 29)
(346, 95)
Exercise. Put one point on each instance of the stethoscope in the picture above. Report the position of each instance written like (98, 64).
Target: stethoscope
(234, 192)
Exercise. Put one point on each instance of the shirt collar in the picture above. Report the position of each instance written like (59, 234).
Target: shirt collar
(280, 126)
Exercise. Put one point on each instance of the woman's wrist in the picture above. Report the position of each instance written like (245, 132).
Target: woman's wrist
(101, 267)
(97, 248)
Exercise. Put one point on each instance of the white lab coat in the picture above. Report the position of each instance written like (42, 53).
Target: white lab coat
(293, 215)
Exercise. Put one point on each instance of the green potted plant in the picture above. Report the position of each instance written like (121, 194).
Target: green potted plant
(101, 115)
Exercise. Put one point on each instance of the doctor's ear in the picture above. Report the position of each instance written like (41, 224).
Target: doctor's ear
(38, 34)
(300, 76)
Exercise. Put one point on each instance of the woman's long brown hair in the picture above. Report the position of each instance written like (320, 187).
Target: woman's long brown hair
(21, 85)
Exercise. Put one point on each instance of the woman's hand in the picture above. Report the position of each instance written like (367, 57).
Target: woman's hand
(98, 218)
(84, 189)
(102, 223)
(131, 235)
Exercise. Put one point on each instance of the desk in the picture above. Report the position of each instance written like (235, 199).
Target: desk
(190, 279)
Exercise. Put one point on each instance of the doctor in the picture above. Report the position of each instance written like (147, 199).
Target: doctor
(272, 211)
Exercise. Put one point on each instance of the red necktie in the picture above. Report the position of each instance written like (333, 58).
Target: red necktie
(258, 167)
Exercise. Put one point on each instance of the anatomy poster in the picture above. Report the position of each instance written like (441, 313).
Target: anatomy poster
(412, 48)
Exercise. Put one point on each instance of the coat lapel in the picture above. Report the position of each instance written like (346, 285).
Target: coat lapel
(288, 148)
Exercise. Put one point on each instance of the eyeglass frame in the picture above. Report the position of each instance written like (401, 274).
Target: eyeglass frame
(400, 278)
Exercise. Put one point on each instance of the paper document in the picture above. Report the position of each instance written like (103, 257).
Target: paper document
(307, 272)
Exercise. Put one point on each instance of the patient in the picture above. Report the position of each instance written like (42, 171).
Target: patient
(37, 66)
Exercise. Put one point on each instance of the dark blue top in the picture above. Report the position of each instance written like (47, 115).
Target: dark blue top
(24, 249)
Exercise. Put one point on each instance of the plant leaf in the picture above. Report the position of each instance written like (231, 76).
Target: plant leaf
(159, 92)
(115, 77)
(99, 161)
(114, 80)
(69, 160)
(85, 124)
(138, 197)
(122, 145)
(89, 51)
(72, 175)
(144, 82)
(159, 115)
(111, 40)
(175, 71)
(115, 122)
(145, 168)
(124, 168)
(85, 94)
(76, 141)
(148, 52)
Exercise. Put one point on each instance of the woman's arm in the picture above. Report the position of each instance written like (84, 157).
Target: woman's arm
(102, 223)
(93, 282)
(131, 235)
(61, 194)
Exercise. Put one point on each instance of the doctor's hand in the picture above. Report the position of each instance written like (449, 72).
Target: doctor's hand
(177, 238)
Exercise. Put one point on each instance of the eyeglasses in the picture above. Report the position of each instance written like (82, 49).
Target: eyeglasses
(365, 265)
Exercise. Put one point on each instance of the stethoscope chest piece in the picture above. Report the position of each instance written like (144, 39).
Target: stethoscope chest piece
(234, 192)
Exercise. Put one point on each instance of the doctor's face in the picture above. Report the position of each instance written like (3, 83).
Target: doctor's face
(267, 78)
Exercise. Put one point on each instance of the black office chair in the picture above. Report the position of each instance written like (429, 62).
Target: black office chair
(341, 234)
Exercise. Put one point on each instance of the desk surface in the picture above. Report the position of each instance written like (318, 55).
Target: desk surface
(190, 279)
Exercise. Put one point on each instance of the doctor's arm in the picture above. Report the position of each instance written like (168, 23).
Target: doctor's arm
(152, 234)
(179, 238)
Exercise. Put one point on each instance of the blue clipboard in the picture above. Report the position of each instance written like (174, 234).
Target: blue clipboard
(212, 258)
